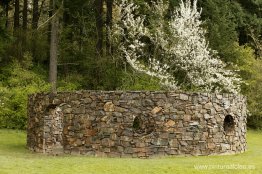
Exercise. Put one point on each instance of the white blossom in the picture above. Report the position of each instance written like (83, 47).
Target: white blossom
(181, 45)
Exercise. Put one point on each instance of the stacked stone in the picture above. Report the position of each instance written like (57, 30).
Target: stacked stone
(36, 123)
(136, 123)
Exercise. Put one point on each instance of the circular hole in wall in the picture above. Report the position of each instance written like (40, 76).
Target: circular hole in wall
(143, 125)
(229, 124)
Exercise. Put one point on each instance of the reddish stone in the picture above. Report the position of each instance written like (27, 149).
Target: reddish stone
(211, 145)
(90, 132)
(156, 110)
(170, 123)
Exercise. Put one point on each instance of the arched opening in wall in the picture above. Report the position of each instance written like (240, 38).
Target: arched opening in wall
(229, 124)
(50, 107)
(137, 123)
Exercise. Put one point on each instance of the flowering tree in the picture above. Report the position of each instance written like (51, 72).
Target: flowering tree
(179, 47)
(128, 34)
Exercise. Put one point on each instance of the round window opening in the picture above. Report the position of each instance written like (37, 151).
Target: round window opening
(142, 125)
(229, 124)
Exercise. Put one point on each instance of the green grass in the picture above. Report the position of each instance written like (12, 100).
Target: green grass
(16, 159)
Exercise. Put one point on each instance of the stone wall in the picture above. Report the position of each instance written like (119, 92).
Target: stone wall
(136, 123)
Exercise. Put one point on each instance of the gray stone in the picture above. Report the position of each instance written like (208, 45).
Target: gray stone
(128, 150)
(105, 118)
(148, 102)
(208, 105)
(68, 110)
(161, 142)
(207, 116)
(183, 143)
(135, 110)
(87, 100)
(120, 149)
(173, 143)
(76, 103)
(78, 142)
(219, 97)
(80, 110)
(183, 97)
(125, 138)
(226, 104)
(120, 109)
(194, 123)
(180, 124)
(117, 114)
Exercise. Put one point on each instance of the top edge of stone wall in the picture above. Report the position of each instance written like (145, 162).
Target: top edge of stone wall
(139, 91)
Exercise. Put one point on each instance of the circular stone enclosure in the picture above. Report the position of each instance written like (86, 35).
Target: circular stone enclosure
(136, 123)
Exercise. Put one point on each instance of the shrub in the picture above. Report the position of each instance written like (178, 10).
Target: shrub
(18, 80)
(251, 72)
(139, 81)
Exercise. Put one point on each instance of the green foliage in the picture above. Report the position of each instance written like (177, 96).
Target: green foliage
(18, 80)
(139, 81)
(70, 82)
(4, 36)
(251, 72)
(37, 43)
(229, 22)
(221, 25)
(103, 73)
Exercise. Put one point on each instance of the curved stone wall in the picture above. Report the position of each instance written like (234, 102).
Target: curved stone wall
(136, 123)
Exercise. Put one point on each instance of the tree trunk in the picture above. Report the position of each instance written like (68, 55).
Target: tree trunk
(53, 51)
(16, 15)
(99, 26)
(25, 14)
(50, 13)
(6, 14)
(66, 15)
(109, 7)
(35, 14)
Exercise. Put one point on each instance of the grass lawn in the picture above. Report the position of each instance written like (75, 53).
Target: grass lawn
(16, 159)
